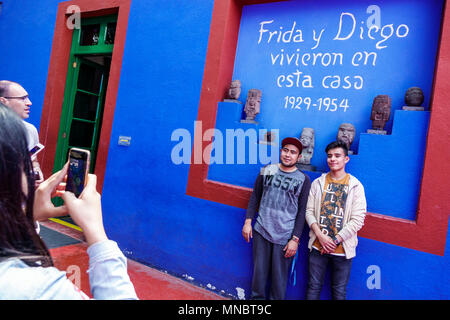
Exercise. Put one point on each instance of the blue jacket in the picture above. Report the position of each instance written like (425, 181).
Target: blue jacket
(108, 278)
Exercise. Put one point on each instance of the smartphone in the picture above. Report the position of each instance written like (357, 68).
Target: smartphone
(78, 170)
(36, 149)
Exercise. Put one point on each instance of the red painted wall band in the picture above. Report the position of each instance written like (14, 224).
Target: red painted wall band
(428, 233)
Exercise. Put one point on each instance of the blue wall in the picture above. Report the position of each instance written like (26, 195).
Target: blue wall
(273, 41)
(265, 61)
(26, 29)
(145, 207)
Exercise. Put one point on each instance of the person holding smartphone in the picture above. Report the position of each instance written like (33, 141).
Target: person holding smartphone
(15, 97)
(26, 267)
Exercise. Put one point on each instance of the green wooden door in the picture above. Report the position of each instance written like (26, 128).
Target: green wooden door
(83, 110)
(84, 96)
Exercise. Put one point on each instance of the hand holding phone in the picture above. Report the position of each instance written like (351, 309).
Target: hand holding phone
(43, 208)
(78, 170)
(86, 211)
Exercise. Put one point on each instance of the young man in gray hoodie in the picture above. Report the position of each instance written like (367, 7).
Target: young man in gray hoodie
(279, 196)
(335, 213)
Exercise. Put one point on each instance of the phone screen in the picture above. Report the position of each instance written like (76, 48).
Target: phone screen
(78, 163)
(36, 149)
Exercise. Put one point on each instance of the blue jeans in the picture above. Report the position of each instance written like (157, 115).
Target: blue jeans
(269, 263)
(340, 274)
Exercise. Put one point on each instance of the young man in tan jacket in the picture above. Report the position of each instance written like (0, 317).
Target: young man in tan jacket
(335, 212)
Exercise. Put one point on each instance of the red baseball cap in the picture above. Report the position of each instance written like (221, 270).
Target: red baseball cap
(294, 141)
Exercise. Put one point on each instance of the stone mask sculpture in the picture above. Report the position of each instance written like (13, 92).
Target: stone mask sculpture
(381, 111)
(346, 134)
(235, 90)
(414, 97)
(252, 106)
(307, 140)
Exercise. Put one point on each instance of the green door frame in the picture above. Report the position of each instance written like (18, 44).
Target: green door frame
(75, 60)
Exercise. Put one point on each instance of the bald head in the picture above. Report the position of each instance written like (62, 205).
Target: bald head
(15, 97)
(5, 85)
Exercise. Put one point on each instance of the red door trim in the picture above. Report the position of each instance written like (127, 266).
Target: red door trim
(56, 80)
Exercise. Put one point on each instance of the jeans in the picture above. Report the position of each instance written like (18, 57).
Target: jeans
(340, 274)
(269, 258)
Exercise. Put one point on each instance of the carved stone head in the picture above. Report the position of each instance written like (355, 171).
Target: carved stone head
(307, 140)
(346, 134)
(414, 97)
(381, 111)
(252, 106)
(235, 90)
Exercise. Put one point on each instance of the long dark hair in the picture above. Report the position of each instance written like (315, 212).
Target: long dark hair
(18, 237)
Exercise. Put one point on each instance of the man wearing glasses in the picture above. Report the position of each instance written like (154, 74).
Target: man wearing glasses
(279, 196)
(15, 97)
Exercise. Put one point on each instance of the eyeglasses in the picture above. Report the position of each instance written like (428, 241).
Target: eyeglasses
(23, 98)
